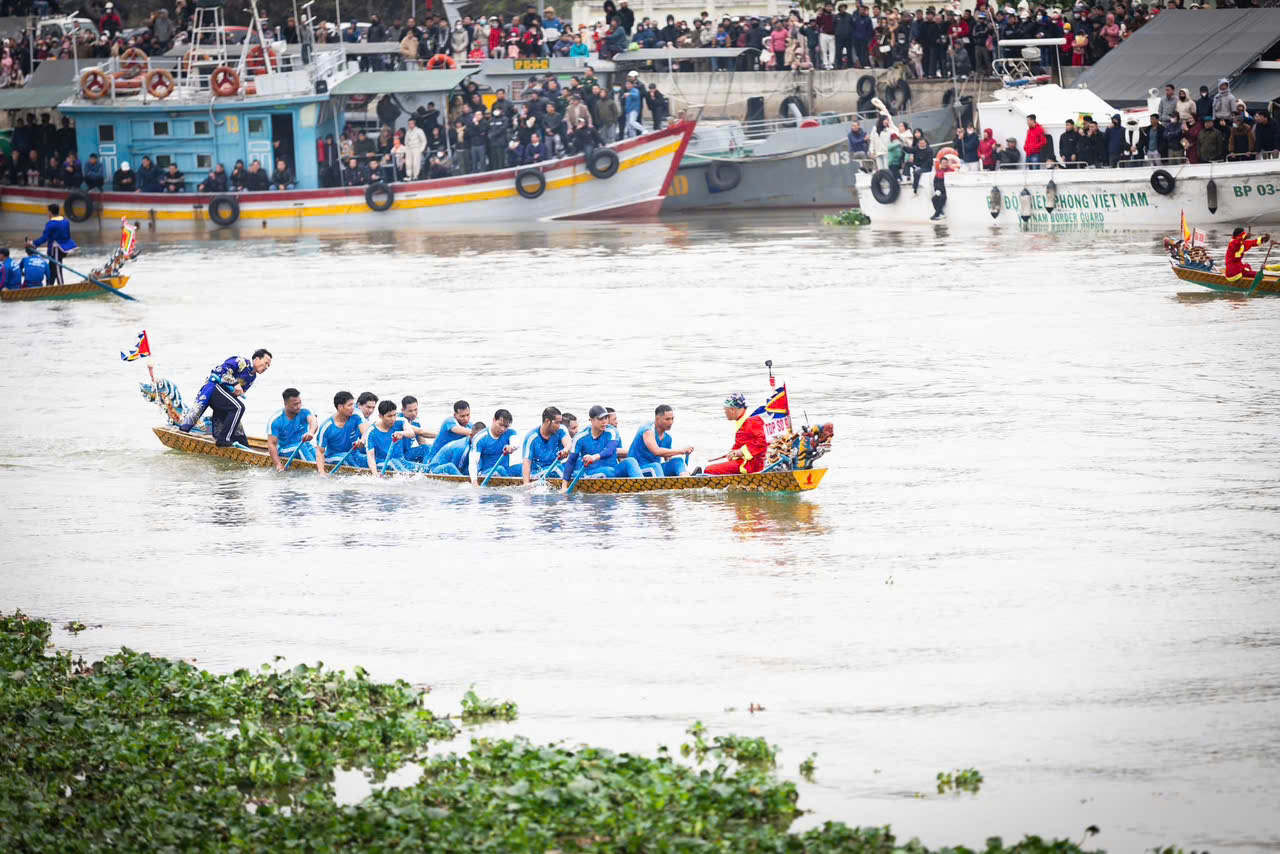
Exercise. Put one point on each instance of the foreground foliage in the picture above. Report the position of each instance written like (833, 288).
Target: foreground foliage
(136, 752)
(853, 216)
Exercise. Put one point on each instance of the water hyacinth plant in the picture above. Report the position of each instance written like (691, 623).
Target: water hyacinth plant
(136, 752)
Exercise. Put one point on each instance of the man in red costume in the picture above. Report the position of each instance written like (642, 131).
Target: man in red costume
(1240, 244)
(749, 443)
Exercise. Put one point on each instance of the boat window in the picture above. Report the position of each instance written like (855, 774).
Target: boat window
(204, 161)
(159, 128)
(202, 128)
(255, 126)
(106, 133)
(163, 161)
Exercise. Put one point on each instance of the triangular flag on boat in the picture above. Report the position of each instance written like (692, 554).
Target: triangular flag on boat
(776, 413)
(142, 349)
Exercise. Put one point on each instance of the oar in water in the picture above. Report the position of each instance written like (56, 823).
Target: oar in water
(582, 469)
(342, 461)
(496, 466)
(90, 279)
(1257, 280)
(294, 454)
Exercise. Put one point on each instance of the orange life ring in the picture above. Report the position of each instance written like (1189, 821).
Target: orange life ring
(134, 61)
(942, 154)
(258, 60)
(224, 81)
(441, 59)
(194, 59)
(94, 84)
(160, 83)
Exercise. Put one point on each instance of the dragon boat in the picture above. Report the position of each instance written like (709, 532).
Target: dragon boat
(1195, 265)
(71, 290)
(255, 454)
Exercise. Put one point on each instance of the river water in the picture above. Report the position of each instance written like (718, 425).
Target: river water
(1047, 548)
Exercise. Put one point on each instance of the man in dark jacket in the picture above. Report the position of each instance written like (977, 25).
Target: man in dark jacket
(858, 142)
(1069, 146)
(1116, 143)
(124, 180)
(1264, 132)
(1151, 140)
(257, 180)
(844, 37)
(627, 17)
(282, 178)
(864, 30)
(216, 182)
(149, 178)
(1212, 143)
(657, 104)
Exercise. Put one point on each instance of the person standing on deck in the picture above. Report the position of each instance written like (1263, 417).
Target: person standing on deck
(57, 234)
(290, 429)
(749, 443)
(651, 447)
(223, 393)
(545, 446)
(340, 433)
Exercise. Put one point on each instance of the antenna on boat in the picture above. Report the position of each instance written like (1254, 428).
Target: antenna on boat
(768, 363)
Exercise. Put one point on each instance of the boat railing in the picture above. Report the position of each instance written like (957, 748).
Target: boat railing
(1123, 164)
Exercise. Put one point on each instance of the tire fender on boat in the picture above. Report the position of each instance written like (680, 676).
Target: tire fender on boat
(884, 187)
(1050, 196)
(787, 102)
(379, 196)
(995, 201)
(1211, 195)
(1024, 205)
(224, 210)
(603, 163)
(866, 86)
(723, 176)
(539, 183)
(78, 206)
(1162, 182)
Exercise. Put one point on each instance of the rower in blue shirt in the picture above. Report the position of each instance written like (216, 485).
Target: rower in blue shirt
(545, 446)
(454, 457)
(492, 449)
(57, 235)
(223, 393)
(416, 448)
(34, 268)
(290, 429)
(591, 448)
(453, 428)
(651, 447)
(340, 433)
(383, 447)
(10, 272)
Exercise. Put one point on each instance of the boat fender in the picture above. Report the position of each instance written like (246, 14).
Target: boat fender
(379, 196)
(530, 183)
(1162, 182)
(865, 106)
(94, 84)
(866, 86)
(224, 81)
(1024, 205)
(1211, 192)
(1050, 196)
(159, 83)
(78, 206)
(603, 163)
(790, 101)
(994, 202)
(898, 96)
(723, 176)
(224, 210)
(884, 187)
(949, 97)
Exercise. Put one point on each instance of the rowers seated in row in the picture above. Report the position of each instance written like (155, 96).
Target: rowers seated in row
(597, 450)
(454, 457)
(30, 272)
(545, 448)
(416, 447)
(384, 440)
(339, 436)
(452, 428)
(651, 447)
(291, 430)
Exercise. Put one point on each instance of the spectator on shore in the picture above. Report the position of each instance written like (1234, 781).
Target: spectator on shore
(858, 141)
(1009, 155)
(174, 181)
(1212, 143)
(1204, 105)
(1241, 144)
(282, 178)
(988, 148)
(256, 180)
(1191, 139)
(149, 177)
(1151, 140)
(1186, 107)
(1035, 142)
(94, 176)
(1168, 106)
(216, 182)
(1224, 102)
(1265, 135)
(124, 181)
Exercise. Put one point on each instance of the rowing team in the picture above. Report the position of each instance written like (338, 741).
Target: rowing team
(381, 437)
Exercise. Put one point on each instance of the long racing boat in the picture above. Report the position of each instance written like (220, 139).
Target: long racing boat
(71, 290)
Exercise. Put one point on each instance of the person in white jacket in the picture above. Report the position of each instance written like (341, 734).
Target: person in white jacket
(880, 142)
(415, 143)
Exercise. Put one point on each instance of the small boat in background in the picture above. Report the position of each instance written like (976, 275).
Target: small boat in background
(71, 290)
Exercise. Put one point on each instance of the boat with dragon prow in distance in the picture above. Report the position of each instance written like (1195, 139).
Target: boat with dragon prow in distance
(777, 480)
(99, 282)
(1191, 262)
(71, 290)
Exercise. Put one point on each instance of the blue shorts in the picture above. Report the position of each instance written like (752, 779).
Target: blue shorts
(673, 467)
(306, 451)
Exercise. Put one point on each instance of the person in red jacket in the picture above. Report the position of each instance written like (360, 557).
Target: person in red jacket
(1240, 244)
(749, 443)
(1035, 143)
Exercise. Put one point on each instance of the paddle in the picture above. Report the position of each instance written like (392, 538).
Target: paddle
(496, 466)
(1257, 280)
(342, 461)
(294, 454)
(90, 279)
(582, 469)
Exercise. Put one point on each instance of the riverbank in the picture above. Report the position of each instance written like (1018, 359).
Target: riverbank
(139, 752)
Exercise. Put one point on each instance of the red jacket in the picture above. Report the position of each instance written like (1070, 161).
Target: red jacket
(1035, 142)
(750, 439)
(1236, 267)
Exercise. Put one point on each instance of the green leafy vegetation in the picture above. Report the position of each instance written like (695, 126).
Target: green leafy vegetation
(968, 780)
(476, 708)
(852, 216)
(808, 766)
(136, 752)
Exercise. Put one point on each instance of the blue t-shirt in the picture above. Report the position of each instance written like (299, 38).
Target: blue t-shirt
(35, 268)
(542, 452)
(640, 452)
(584, 443)
(289, 431)
(406, 444)
(381, 442)
(338, 440)
(490, 447)
(11, 274)
(445, 436)
(454, 452)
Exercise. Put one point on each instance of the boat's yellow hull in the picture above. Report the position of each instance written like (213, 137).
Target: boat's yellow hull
(774, 481)
(71, 290)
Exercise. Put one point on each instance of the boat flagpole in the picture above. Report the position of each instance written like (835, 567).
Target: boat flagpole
(768, 363)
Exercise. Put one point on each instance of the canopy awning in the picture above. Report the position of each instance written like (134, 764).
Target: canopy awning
(35, 97)
(679, 54)
(401, 82)
(1257, 88)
